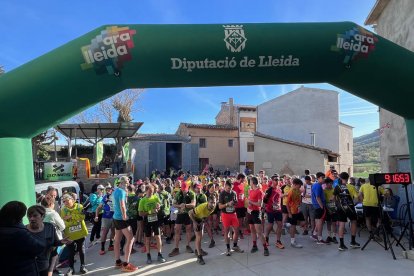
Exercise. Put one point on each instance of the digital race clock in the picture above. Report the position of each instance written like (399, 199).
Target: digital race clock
(390, 178)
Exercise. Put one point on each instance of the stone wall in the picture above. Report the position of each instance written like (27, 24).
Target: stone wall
(395, 23)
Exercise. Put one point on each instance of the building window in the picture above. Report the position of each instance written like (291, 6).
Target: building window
(230, 142)
(347, 146)
(250, 147)
(247, 124)
(202, 143)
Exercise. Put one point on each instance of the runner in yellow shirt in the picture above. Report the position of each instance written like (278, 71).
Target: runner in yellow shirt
(198, 215)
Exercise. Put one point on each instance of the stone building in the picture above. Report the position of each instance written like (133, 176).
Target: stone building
(394, 20)
(218, 144)
(244, 118)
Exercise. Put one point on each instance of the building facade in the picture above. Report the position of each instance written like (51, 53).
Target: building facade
(218, 144)
(244, 118)
(393, 20)
(276, 155)
(161, 152)
(309, 116)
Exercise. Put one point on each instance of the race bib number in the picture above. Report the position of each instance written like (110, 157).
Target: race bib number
(75, 228)
(241, 196)
(230, 209)
(331, 206)
(276, 207)
(152, 218)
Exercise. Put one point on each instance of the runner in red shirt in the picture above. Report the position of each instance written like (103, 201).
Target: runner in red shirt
(238, 188)
(253, 218)
(273, 210)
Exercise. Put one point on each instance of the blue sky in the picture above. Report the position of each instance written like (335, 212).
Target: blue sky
(32, 28)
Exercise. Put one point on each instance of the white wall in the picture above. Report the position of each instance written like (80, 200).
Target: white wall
(294, 115)
(346, 159)
(278, 157)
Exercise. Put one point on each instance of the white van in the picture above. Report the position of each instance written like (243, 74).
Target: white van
(61, 187)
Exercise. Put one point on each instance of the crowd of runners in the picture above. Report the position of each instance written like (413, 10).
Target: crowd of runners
(141, 216)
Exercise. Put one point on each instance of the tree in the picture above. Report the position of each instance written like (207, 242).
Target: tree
(40, 143)
(124, 103)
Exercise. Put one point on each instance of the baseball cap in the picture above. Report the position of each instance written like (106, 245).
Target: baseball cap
(101, 187)
(184, 186)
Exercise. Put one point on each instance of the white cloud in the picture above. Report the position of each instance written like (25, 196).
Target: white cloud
(263, 93)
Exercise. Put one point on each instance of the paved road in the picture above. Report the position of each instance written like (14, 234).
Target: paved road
(311, 260)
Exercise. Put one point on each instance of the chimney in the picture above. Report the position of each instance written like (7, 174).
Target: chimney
(313, 138)
(231, 108)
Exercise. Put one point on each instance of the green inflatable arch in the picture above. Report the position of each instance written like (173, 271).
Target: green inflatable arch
(73, 77)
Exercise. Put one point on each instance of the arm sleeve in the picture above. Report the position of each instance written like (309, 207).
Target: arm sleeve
(60, 224)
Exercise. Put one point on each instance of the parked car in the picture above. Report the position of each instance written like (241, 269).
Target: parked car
(61, 187)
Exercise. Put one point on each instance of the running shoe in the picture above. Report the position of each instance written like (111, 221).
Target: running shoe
(329, 239)
(238, 249)
(342, 247)
(322, 242)
(296, 245)
(212, 244)
(118, 264)
(175, 252)
(280, 245)
(83, 270)
(188, 249)
(254, 249)
(149, 260)
(111, 248)
(305, 233)
(161, 259)
(228, 252)
(334, 240)
(92, 243)
(355, 245)
(129, 268)
(203, 253)
(102, 252)
(69, 272)
(314, 237)
(266, 252)
(200, 260)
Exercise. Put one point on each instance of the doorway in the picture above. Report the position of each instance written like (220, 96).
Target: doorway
(174, 156)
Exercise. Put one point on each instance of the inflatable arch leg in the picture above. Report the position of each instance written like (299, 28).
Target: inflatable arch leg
(16, 171)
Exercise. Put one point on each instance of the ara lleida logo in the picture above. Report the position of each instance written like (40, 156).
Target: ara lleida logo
(108, 51)
(355, 43)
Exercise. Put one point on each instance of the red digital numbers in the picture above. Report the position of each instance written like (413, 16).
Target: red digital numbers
(397, 178)
(392, 178)
(387, 178)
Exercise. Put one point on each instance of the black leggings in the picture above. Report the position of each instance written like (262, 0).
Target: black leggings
(76, 245)
(96, 229)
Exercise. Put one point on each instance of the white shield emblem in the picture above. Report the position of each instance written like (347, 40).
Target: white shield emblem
(234, 37)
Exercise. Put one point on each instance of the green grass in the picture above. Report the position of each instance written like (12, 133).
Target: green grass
(364, 169)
